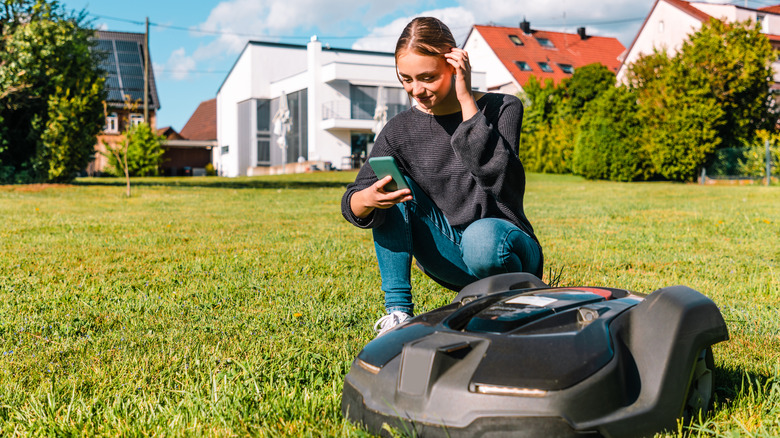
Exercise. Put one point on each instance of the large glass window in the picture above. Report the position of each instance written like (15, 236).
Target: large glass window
(263, 132)
(396, 100)
(298, 137)
(363, 100)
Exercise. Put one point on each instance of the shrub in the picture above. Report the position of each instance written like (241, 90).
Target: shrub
(143, 149)
(608, 145)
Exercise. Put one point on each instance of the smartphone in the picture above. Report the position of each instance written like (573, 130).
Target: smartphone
(384, 166)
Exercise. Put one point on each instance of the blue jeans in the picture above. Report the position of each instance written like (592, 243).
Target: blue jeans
(454, 255)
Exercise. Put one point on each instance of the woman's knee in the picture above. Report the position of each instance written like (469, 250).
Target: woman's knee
(496, 246)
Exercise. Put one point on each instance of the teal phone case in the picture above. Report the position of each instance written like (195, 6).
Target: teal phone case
(384, 166)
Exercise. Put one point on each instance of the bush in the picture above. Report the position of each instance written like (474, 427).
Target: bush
(608, 145)
(143, 149)
(753, 162)
(552, 118)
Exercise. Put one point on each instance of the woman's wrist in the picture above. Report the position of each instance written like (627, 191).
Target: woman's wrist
(357, 204)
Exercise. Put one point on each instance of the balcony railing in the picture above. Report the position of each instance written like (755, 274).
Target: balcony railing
(345, 110)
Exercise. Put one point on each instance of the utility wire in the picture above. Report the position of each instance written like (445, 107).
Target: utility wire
(249, 35)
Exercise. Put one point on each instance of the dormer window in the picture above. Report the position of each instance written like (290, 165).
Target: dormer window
(545, 67)
(566, 68)
(522, 65)
(516, 39)
(112, 124)
(544, 42)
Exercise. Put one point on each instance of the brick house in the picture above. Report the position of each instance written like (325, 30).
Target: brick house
(124, 66)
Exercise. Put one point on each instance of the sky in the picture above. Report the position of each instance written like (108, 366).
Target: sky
(194, 43)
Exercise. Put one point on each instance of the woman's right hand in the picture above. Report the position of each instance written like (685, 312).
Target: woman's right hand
(374, 196)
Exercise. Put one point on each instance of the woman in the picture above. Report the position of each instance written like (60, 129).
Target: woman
(462, 218)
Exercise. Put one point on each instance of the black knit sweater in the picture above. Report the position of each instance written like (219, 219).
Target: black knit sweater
(470, 169)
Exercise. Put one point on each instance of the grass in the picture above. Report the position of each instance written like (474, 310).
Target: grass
(223, 307)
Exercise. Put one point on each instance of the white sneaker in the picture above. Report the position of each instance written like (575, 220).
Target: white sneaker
(387, 322)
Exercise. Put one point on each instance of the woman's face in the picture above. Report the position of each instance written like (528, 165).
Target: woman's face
(428, 80)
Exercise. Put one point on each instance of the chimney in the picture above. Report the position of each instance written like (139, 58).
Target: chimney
(525, 26)
(581, 33)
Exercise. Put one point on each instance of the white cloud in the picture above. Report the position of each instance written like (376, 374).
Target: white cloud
(615, 18)
(383, 38)
(179, 65)
(231, 23)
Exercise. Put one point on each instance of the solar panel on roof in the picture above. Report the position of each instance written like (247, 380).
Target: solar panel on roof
(123, 62)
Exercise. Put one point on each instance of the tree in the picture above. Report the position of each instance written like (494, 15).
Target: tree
(51, 92)
(144, 152)
(714, 93)
(607, 146)
(552, 117)
(138, 154)
(585, 85)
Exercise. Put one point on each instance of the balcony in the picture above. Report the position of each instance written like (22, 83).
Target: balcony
(346, 115)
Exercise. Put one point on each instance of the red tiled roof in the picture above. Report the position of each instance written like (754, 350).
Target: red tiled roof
(202, 125)
(686, 7)
(569, 49)
(771, 9)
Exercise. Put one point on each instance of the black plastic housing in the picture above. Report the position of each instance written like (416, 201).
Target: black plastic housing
(512, 357)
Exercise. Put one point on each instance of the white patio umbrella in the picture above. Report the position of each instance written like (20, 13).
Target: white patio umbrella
(380, 113)
(282, 125)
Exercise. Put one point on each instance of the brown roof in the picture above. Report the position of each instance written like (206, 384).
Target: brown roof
(202, 125)
(569, 49)
(169, 133)
(771, 9)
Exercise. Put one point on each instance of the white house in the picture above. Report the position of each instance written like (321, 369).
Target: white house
(331, 98)
(670, 22)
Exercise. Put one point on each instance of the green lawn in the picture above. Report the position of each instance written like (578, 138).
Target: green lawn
(224, 307)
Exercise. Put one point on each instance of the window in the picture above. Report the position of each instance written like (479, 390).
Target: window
(396, 100)
(136, 119)
(363, 100)
(522, 65)
(225, 150)
(263, 151)
(761, 20)
(263, 132)
(112, 124)
(544, 42)
(567, 68)
(545, 67)
(516, 39)
(298, 137)
(661, 26)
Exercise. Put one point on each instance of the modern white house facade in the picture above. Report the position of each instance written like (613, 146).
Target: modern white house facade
(671, 22)
(284, 103)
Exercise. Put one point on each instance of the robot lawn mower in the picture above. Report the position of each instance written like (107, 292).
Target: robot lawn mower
(511, 356)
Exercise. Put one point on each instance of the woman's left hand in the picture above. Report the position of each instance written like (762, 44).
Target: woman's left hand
(459, 60)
